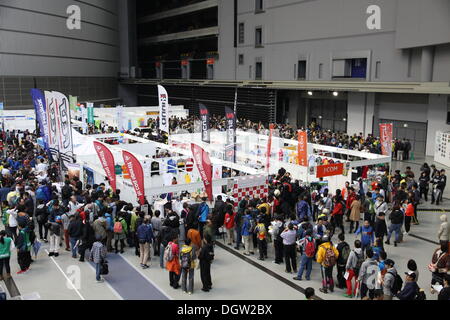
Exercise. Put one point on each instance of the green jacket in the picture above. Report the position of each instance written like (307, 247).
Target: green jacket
(133, 222)
(5, 248)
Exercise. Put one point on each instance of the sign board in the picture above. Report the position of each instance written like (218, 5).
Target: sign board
(330, 170)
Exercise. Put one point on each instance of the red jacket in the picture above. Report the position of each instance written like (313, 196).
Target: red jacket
(338, 209)
(350, 199)
(409, 210)
(229, 220)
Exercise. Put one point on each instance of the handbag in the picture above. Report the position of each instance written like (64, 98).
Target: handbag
(104, 268)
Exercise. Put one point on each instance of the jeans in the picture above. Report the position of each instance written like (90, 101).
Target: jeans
(98, 268)
(305, 262)
(43, 235)
(394, 227)
(238, 236)
(187, 277)
(73, 242)
(161, 255)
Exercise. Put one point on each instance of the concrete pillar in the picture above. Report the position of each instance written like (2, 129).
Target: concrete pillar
(427, 64)
(437, 120)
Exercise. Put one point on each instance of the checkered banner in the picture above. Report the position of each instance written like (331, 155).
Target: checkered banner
(251, 186)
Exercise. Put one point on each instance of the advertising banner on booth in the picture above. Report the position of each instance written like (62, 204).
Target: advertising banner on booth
(119, 118)
(204, 118)
(269, 146)
(84, 115)
(90, 113)
(163, 109)
(64, 126)
(204, 167)
(386, 138)
(41, 114)
(136, 173)
(230, 146)
(73, 101)
(302, 148)
(53, 138)
(107, 160)
(330, 170)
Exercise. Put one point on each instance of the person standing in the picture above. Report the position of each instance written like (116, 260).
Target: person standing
(98, 256)
(87, 236)
(355, 214)
(261, 234)
(409, 216)
(202, 214)
(229, 225)
(396, 218)
(120, 232)
(206, 256)
(367, 275)
(354, 262)
(308, 252)
(187, 257)
(389, 279)
(424, 181)
(367, 235)
(55, 229)
(156, 227)
(247, 233)
(411, 289)
(344, 252)
(23, 245)
(327, 256)
(444, 230)
(444, 294)
(173, 263)
(289, 236)
(6, 246)
(380, 228)
(75, 229)
(145, 239)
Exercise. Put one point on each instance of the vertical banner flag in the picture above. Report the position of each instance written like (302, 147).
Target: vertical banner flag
(41, 114)
(302, 148)
(107, 160)
(120, 120)
(204, 167)
(64, 126)
(204, 118)
(386, 138)
(53, 138)
(84, 116)
(230, 146)
(73, 101)
(269, 146)
(163, 109)
(90, 112)
(136, 173)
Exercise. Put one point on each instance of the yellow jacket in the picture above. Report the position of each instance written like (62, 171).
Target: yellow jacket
(264, 205)
(320, 257)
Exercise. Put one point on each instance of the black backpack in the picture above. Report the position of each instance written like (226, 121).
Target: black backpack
(397, 284)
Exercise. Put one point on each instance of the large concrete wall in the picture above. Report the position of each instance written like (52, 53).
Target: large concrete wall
(320, 30)
(35, 40)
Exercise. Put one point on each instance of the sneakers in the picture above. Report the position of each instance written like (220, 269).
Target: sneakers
(395, 244)
(145, 266)
(297, 278)
(100, 281)
(246, 254)
(323, 290)
(56, 254)
(51, 254)
(260, 258)
(22, 271)
(405, 233)
(189, 293)
(205, 289)
(387, 242)
(348, 296)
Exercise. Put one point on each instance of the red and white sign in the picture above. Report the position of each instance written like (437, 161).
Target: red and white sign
(204, 167)
(136, 173)
(386, 138)
(107, 160)
(269, 146)
(302, 148)
(330, 170)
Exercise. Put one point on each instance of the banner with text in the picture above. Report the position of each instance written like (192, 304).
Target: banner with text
(136, 173)
(386, 138)
(53, 138)
(204, 118)
(330, 170)
(41, 114)
(64, 126)
(269, 146)
(107, 160)
(163, 109)
(204, 167)
(230, 146)
(302, 148)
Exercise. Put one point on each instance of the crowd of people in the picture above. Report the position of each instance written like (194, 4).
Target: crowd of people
(304, 224)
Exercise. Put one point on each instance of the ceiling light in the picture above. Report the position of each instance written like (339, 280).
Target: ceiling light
(310, 93)
(335, 93)
(345, 119)
(320, 117)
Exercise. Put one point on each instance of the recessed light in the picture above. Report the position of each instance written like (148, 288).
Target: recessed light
(335, 93)
(310, 93)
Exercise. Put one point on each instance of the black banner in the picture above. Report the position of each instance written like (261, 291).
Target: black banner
(230, 147)
(204, 118)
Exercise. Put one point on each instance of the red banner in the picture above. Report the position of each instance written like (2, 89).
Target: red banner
(136, 174)
(302, 148)
(203, 163)
(107, 160)
(386, 138)
(210, 61)
(269, 146)
(330, 170)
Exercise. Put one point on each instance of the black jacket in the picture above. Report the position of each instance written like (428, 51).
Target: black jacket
(75, 228)
(380, 228)
(396, 217)
(206, 253)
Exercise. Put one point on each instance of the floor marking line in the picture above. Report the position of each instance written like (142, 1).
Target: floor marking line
(149, 280)
(76, 290)
(424, 239)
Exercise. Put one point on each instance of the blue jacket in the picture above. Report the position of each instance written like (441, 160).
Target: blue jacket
(145, 232)
(203, 211)
(109, 222)
(409, 291)
(4, 193)
(367, 236)
(303, 210)
(246, 226)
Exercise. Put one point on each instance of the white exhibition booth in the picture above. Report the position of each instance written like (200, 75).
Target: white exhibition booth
(18, 119)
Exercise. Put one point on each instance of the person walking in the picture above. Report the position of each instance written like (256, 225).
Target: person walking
(327, 256)
(229, 225)
(409, 216)
(367, 275)
(354, 263)
(289, 236)
(6, 247)
(42, 218)
(308, 251)
(145, 238)
(355, 214)
(411, 289)
(98, 256)
(424, 183)
(367, 235)
(396, 218)
(87, 237)
(187, 258)
(23, 245)
(55, 229)
(206, 256)
(74, 230)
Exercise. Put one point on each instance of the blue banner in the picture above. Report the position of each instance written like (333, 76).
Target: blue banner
(41, 114)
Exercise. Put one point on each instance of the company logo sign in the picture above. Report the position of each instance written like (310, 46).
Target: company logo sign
(330, 170)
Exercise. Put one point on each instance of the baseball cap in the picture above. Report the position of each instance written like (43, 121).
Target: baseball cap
(411, 274)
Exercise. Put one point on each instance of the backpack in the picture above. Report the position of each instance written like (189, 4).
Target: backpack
(420, 295)
(330, 258)
(168, 254)
(345, 253)
(252, 225)
(186, 260)
(310, 248)
(118, 228)
(359, 261)
(397, 284)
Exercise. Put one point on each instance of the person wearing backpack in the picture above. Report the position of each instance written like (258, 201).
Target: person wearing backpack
(247, 233)
(308, 252)
(23, 245)
(120, 232)
(411, 289)
(145, 239)
(368, 275)
(354, 262)
(261, 234)
(205, 257)
(327, 256)
(42, 218)
(187, 257)
(171, 257)
(396, 218)
(391, 284)
(344, 252)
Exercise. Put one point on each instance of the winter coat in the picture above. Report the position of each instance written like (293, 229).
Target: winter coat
(355, 214)
(444, 229)
(320, 258)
